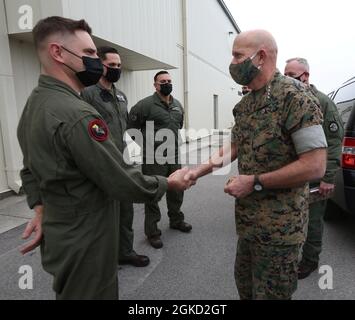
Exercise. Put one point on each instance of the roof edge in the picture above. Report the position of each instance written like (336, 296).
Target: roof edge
(229, 15)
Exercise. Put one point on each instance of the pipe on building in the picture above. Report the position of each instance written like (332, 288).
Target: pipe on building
(185, 64)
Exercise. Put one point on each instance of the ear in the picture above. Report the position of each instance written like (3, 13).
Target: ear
(56, 52)
(306, 74)
(262, 56)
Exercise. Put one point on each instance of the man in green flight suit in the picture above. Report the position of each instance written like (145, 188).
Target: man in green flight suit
(298, 68)
(73, 170)
(280, 145)
(111, 103)
(163, 113)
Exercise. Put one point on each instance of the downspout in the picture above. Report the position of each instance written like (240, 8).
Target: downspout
(185, 64)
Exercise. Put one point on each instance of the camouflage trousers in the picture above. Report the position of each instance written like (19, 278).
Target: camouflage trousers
(266, 272)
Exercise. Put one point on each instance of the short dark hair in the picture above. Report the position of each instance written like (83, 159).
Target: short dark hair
(52, 25)
(159, 73)
(102, 51)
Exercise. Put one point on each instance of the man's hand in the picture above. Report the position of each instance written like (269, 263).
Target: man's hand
(177, 181)
(191, 175)
(240, 186)
(34, 226)
(326, 189)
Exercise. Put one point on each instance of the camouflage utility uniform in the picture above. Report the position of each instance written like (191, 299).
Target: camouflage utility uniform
(272, 224)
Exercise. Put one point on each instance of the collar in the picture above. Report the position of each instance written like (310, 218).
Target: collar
(160, 101)
(264, 95)
(313, 89)
(51, 83)
(101, 87)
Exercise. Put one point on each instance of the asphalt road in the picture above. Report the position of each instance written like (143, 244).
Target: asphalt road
(198, 265)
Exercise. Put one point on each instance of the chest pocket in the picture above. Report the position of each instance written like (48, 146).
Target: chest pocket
(177, 115)
(268, 145)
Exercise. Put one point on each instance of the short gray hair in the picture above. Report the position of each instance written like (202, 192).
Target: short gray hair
(302, 61)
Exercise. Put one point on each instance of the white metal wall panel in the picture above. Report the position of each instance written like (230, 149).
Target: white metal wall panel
(210, 53)
(26, 70)
(151, 27)
(3, 180)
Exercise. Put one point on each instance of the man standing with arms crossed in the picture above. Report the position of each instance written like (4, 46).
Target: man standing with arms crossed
(298, 68)
(111, 103)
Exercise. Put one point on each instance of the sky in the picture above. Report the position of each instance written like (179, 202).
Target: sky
(322, 31)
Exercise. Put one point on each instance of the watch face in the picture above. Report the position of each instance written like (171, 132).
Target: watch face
(258, 187)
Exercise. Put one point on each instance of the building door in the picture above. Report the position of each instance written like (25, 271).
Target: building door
(215, 112)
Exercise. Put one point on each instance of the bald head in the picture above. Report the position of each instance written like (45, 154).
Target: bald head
(257, 40)
(261, 47)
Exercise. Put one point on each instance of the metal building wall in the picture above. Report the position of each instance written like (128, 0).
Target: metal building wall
(210, 38)
(152, 29)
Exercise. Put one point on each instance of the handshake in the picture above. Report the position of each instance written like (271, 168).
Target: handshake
(182, 179)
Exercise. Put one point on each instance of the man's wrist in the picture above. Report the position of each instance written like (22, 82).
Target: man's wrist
(257, 184)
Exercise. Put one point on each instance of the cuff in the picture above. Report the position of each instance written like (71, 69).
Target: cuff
(162, 188)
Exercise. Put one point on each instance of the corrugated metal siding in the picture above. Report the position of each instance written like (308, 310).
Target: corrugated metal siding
(151, 27)
(3, 180)
(26, 70)
(210, 53)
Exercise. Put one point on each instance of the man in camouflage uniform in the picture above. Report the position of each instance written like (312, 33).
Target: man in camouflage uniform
(111, 103)
(280, 145)
(298, 68)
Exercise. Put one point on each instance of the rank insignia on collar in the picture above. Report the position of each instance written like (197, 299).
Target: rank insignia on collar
(98, 130)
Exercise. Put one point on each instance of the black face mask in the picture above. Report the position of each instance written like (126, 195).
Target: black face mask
(93, 69)
(166, 89)
(113, 74)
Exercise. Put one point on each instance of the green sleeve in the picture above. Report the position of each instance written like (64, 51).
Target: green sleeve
(31, 188)
(334, 132)
(104, 164)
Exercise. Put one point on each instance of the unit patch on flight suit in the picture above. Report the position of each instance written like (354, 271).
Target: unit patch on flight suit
(333, 127)
(98, 130)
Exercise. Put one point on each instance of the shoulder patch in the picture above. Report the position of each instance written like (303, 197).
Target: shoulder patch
(98, 130)
(333, 127)
(133, 117)
(120, 98)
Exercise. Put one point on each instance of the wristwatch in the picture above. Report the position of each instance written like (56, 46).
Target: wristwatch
(258, 187)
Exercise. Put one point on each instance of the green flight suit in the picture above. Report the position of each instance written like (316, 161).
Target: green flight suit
(112, 105)
(72, 167)
(334, 132)
(154, 109)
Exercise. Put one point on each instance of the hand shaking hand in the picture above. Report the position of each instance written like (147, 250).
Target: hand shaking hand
(239, 186)
(180, 180)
